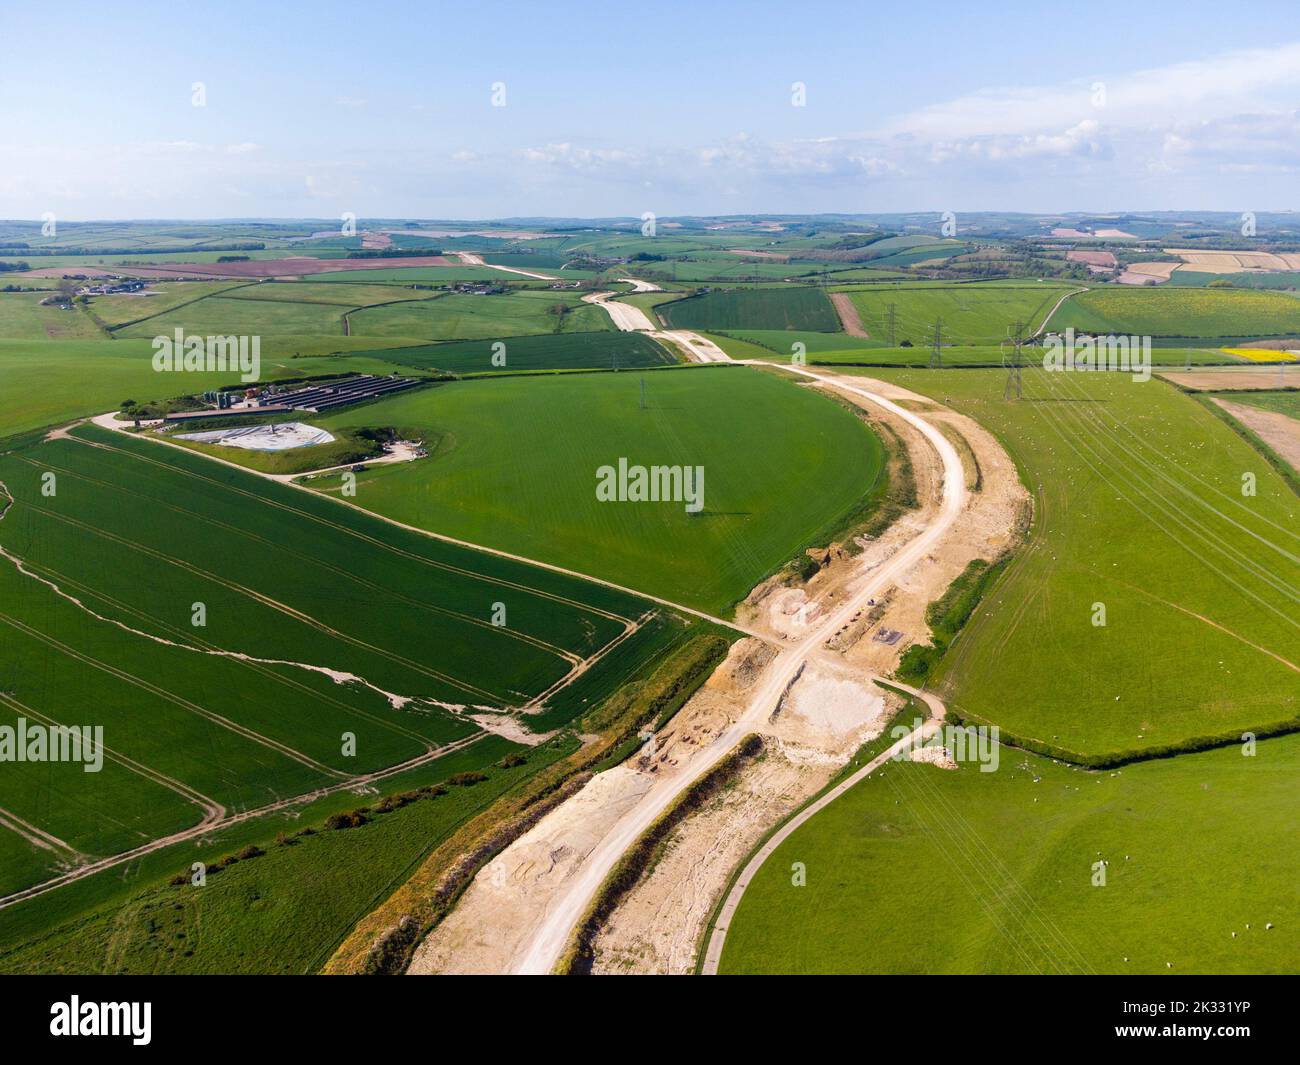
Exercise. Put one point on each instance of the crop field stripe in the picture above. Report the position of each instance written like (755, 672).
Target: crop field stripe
(265, 600)
(310, 560)
(180, 635)
(38, 837)
(1197, 527)
(499, 581)
(171, 697)
(200, 831)
(591, 660)
(212, 810)
(1148, 492)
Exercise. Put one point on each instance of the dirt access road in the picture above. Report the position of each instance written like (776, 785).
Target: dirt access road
(632, 319)
(541, 950)
(470, 259)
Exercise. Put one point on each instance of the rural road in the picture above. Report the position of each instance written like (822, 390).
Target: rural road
(1057, 307)
(543, 950)
(718, 937)
(470, 259)
(632, 319)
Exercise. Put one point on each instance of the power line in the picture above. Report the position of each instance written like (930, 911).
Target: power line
(1014, 384)
(936, 346)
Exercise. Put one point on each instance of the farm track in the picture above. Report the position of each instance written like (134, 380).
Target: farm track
(629, 319)
(1052, 313)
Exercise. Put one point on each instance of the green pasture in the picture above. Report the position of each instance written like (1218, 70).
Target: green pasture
(516, 469)
(472, 317)
(918, 870)
(1180, 312)
(781, 308)
(1139, 511)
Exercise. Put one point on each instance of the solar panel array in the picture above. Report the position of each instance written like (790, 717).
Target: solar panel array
(341, 393)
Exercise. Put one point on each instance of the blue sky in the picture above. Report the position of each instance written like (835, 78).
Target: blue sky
(385, 109)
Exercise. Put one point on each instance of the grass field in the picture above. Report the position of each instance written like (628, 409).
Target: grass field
(1287, 403)
(1180, 312)
(242, 710)
(47, 382)
(778, 308)
(243, 316)
(920, 870)
(282, 911)
(467, 317)
(563, 351)
(831, 349)
(23, 318)
(517, 471)
(1139, 507)
(116, 311)
(971, 313)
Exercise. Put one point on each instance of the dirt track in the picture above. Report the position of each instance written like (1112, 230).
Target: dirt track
(629, 318)
(1278, 431)
(848, 312)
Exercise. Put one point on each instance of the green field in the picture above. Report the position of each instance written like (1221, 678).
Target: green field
(921, 870)
(285, 910)
(1138, 506)
(226, 315)
(775, 308)
(1180, 312)
(240, 711)
(117, 311)
(468, 317)
(839, 349)
(517, 471)
(23, 318)
(972, 313)
(1282, 279)
(564, 351)
(1287, 403)
(47, 382)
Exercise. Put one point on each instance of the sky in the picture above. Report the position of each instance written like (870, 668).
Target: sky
(494, 110)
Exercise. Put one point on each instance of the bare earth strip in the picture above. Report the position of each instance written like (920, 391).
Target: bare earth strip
(1231, 379)
(1278, 431)
(848, 313)
(628, 318)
